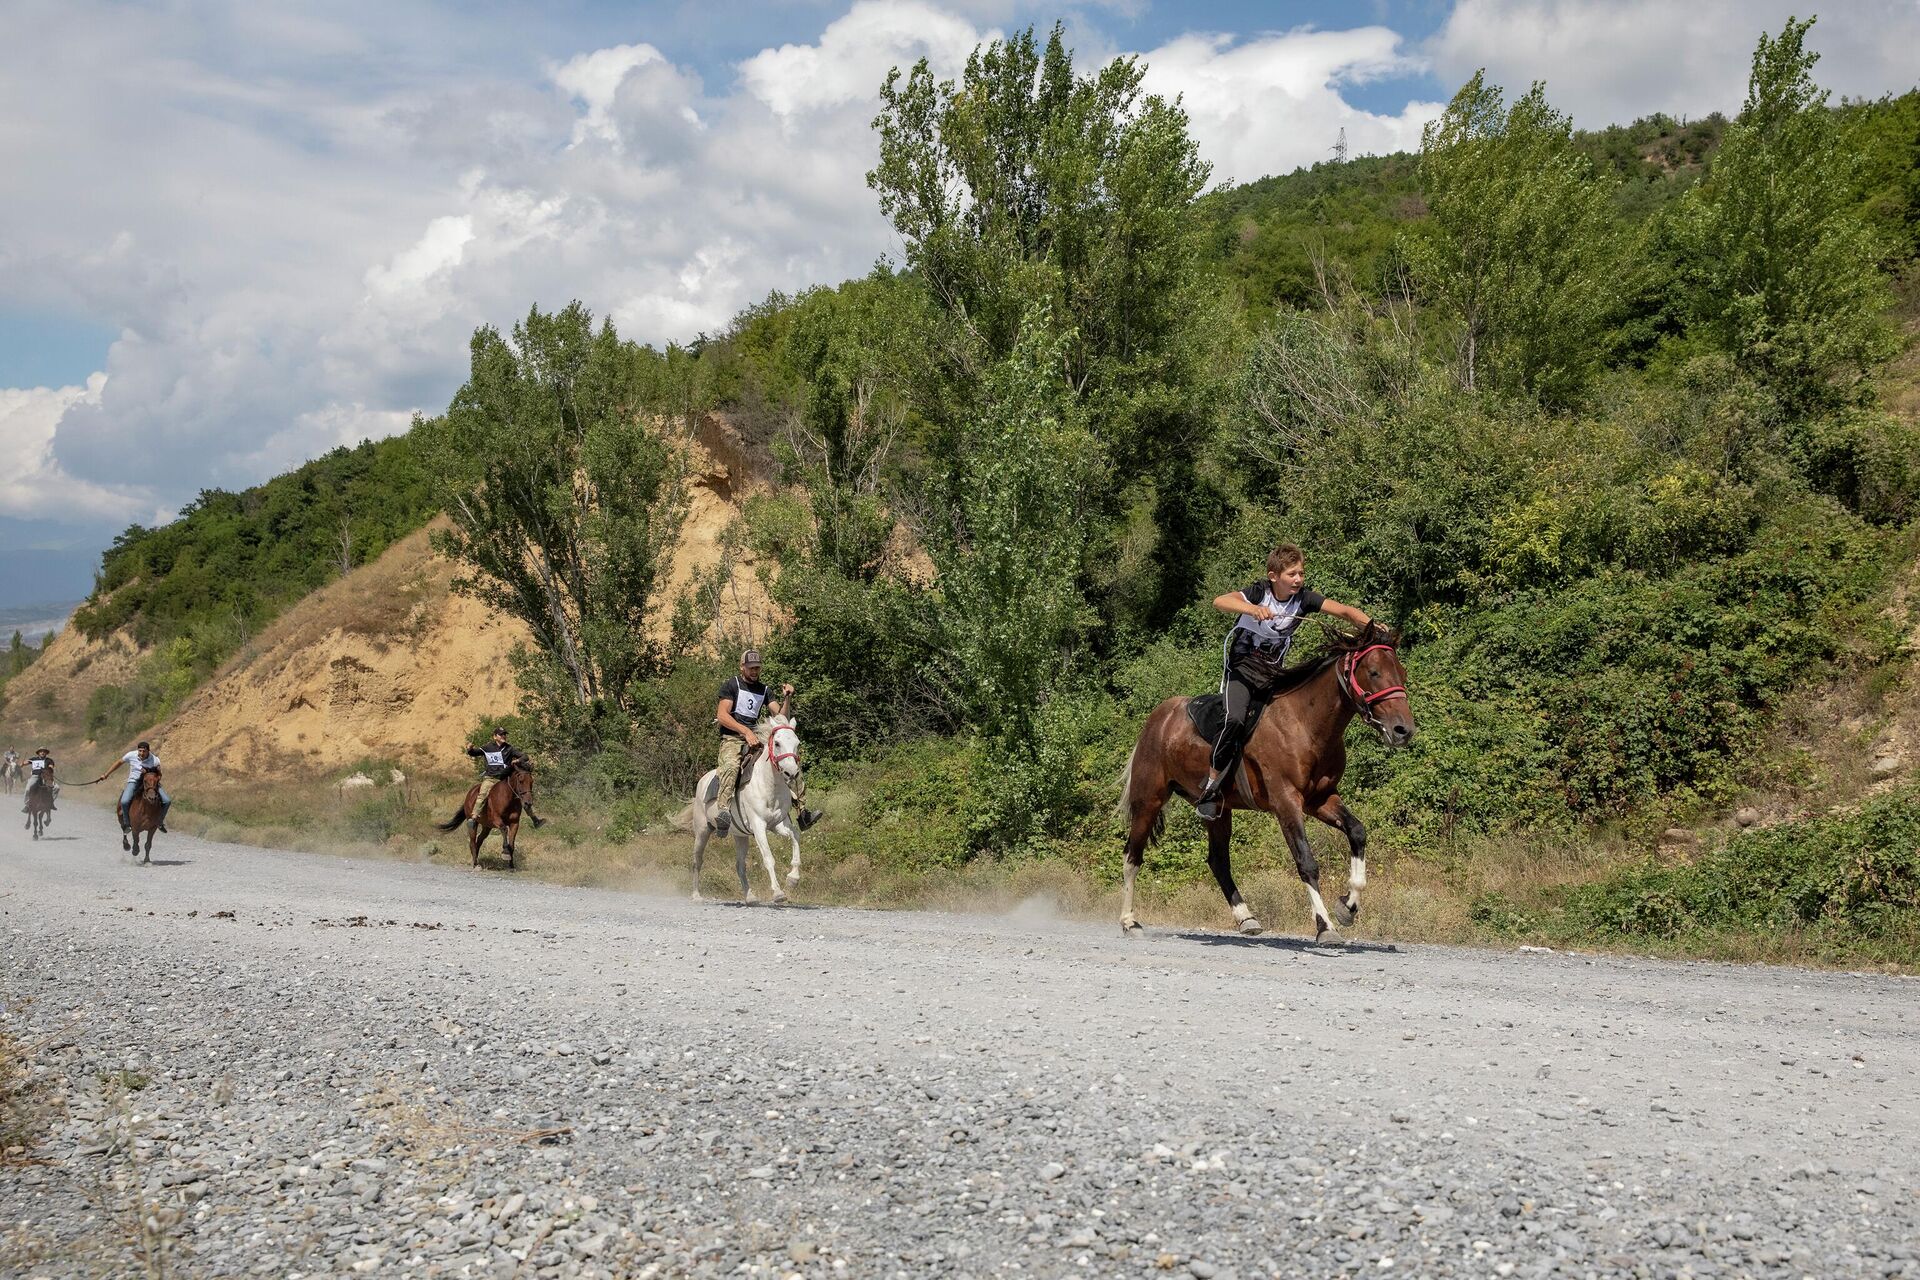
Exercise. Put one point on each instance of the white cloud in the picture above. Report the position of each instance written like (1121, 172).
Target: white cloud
(1609, 63)
(438, 251)
(856, 52)
(296, 216)
(33, 485)
(1273, 103)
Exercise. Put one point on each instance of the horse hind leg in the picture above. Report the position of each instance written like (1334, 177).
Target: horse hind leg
(1141, 831)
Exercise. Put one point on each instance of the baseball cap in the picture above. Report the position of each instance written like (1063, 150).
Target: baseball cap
(751, 658)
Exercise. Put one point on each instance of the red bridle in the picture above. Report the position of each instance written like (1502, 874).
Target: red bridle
(775, 757)
(1350, 677)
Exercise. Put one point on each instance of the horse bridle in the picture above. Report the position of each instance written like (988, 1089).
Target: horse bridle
(775, 757)
(1364, 701)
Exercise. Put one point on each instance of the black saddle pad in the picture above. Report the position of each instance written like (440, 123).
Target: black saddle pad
(1208, 713)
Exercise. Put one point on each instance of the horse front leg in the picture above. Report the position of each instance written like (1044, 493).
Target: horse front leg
(511, 833)
(740, 863)
(476, 836)
(785, 827)
(1334, 812)
(1293, 825)
(701, 834)
(1220, 862)
(766, 859)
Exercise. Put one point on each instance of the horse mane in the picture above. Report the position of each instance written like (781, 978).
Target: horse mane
(1339, 644)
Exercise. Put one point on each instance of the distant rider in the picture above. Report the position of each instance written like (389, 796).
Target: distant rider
(742, 699)
(1270, 612)
(501, 757)
(140, 761)
(41, 766)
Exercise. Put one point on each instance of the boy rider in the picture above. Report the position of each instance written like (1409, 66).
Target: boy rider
(500, 756)
(40, 764)
(742, 699)
(1270, 611)
(139, 762)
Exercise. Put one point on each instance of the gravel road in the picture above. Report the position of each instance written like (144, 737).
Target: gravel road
(284, 1064)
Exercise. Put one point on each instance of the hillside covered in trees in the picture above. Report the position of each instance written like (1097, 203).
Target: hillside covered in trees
(1603, 421)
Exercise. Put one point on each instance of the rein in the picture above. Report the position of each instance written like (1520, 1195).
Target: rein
(1363, 699)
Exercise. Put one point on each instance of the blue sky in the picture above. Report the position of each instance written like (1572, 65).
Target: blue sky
(239, 234)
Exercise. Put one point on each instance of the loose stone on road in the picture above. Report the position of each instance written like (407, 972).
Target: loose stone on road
(279, 1064)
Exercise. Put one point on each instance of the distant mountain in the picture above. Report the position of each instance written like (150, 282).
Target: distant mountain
(35, 620)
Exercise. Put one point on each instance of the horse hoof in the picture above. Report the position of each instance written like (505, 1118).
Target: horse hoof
(698, 896)
(1342, 913)
(793, 878)
(1329, 937)
(1131, 929)
(779, 899)
(1252, 928)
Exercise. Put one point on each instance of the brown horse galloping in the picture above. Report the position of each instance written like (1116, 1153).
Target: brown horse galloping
(1291, 768)
(507, 798)
(144, 812)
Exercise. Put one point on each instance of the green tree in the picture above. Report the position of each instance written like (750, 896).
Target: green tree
(1026, 190)
(1521, 249)
(565, 498)
(1006, 553)
(1783, 271)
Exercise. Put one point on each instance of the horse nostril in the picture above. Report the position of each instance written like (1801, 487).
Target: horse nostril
(1401, 732)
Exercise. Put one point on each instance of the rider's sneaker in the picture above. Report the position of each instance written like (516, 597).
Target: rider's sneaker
(723, 824)
(538, 821)
(163, 828)
(810, 816)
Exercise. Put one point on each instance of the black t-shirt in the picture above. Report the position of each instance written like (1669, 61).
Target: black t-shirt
(748, 698)
(499, 759)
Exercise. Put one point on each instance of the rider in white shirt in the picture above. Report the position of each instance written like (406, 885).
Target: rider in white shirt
(139, 761)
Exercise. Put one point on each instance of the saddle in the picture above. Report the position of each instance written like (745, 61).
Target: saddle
(1208, 715)
(1208, 712)
(747, 759)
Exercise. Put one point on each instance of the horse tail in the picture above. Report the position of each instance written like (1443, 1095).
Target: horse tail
(683, 820)
(459, 816)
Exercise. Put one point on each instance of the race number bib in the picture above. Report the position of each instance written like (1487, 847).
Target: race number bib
(496, 759)
(747, 704)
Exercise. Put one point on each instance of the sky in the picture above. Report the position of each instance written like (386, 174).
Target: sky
(235, 234)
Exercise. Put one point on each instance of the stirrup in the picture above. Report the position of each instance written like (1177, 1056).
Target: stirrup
(1207, 804)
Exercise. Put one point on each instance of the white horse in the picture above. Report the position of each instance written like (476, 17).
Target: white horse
(765, 805)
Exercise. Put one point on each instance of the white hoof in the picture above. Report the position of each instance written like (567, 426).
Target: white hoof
(1252, 928)
(698, 896)
(793, 878)
(1329, 937)
(779, 899)
(1131, 929)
